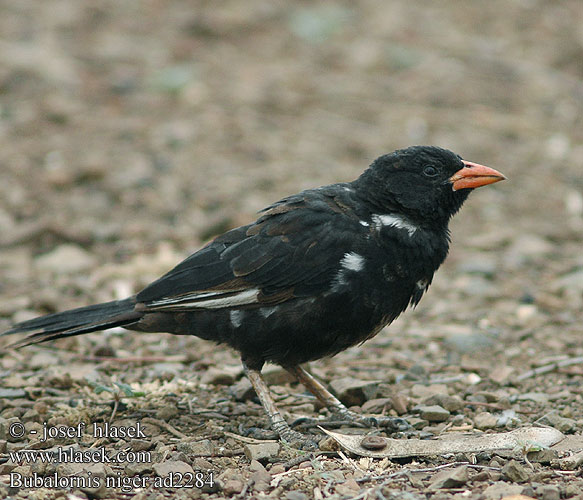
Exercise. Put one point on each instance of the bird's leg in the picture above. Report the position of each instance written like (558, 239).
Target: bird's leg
(278, 424)
(322, 394)
(335, 405)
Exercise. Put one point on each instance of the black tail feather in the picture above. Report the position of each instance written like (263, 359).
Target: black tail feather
(76, 322)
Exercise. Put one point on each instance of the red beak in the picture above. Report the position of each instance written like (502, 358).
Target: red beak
(474, 175)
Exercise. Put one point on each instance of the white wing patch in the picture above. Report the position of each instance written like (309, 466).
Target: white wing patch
(395, 221)
(236, 318)
(352, 262)
(202, 301)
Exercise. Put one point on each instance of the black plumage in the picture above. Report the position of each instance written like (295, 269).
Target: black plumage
(317, 272)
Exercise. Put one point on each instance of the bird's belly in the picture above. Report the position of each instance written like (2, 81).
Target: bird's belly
(306, 329)
(292, 332)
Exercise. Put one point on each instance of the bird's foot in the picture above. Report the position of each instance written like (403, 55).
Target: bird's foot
(293, 438)
(298, 440)
(391, 424)
(329, 423)
(258, 433)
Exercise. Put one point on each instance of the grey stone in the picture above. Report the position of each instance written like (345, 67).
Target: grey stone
(417, 423)
(489, 397)
(377, 405)
(537, 397)
(132, 469)
(351, 391)
(276, 375)
(242, 390)
(202, 447)
(515, 472)
(425, 391)
(220, 376)
(485, 420)
(166, 413)
(328, 444)
(449, 478)
(571, 490)
(5, 426)
(233, 487)
(549, 492)
(140, 444)
(450, 403)
(255, 466)
(260, 477)
(261, 452)
(544, 456)
(400, 403)
(165, 468)
(565, 425)
(433, 413)
(501, 489)
(12, 393)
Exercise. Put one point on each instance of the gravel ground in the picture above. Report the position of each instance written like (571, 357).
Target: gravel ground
(132, 132)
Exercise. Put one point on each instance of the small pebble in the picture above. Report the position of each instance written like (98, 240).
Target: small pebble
(433, 413)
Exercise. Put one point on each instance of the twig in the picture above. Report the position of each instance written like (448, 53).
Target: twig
(114, 411)
(246, 488)
(548, 368)
(248, 440)
(167, 427)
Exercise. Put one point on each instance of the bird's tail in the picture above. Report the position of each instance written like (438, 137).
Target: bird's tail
(76, 322)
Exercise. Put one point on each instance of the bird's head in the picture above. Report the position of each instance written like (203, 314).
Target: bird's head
(423, 182)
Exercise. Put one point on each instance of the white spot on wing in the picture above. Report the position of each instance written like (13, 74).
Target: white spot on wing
(236, 318)
(364, 223)
(352, 262)
(394, 221)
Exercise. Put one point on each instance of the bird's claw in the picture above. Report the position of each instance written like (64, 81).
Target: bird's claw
(298, 440)
(293, 438)
(258, 433)
(392, 424)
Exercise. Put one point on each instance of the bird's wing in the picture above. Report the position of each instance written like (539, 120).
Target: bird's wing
(293, 250)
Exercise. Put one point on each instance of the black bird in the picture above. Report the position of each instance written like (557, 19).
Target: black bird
(316, 273)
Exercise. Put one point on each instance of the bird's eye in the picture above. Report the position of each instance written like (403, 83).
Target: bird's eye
(430, 171)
